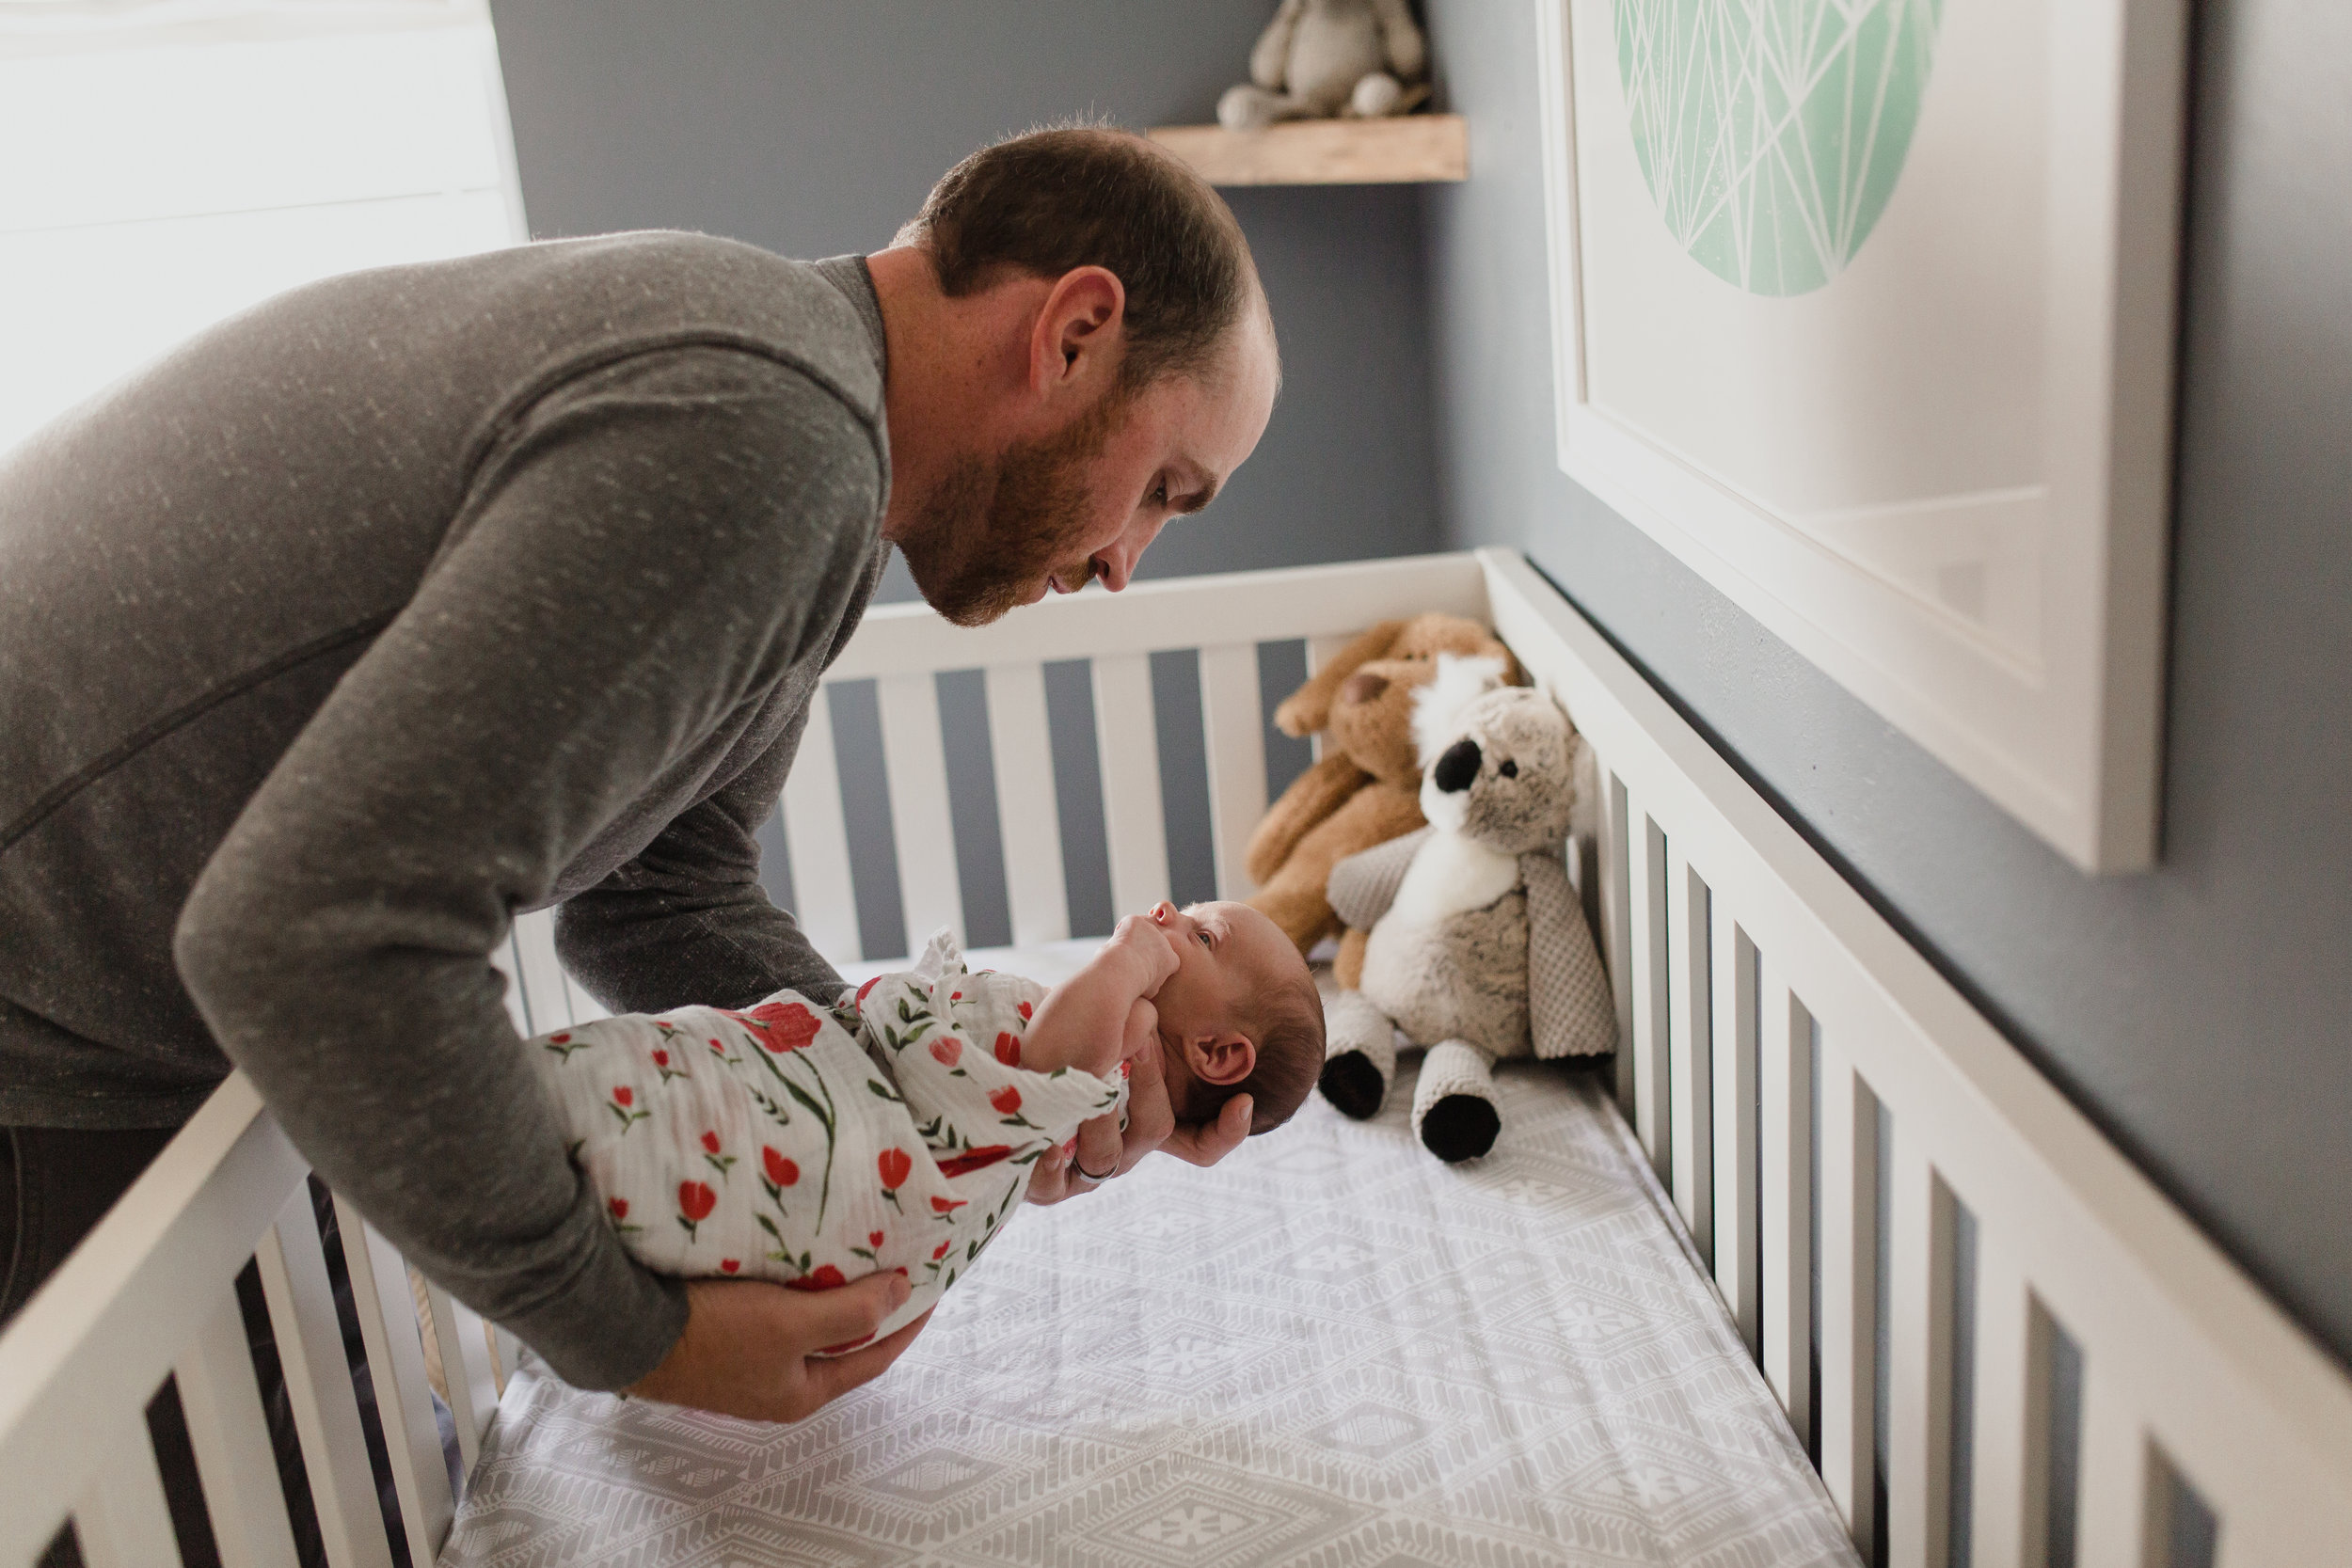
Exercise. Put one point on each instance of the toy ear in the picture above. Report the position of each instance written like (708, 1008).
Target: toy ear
(1308, 708)
(1437, 706)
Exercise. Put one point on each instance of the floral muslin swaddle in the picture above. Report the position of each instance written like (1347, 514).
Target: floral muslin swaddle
(810, 1144)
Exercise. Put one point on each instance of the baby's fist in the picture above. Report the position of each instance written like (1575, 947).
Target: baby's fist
(1152, 946)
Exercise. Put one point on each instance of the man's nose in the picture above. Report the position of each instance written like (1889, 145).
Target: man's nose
(1117, 561)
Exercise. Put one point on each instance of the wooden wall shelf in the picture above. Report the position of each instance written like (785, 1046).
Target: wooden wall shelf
(1407, 149)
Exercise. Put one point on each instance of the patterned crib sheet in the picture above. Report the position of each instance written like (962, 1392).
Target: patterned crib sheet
(1329, 1350)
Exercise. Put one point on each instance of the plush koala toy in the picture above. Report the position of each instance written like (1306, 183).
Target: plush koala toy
(1479, 950)
(1318, 58)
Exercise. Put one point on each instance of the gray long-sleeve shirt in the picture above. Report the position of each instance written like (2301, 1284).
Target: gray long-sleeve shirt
(396, 606)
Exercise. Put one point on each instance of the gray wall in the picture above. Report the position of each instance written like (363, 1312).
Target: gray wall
(2202, 1013)
(814, 128)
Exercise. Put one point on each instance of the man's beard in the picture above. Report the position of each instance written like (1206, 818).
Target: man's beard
(983, 541)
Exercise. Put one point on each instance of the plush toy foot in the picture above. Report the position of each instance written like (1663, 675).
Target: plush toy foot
(1359, 1054)
(1460, 1127)
(1353, 1086)
(1454, 1105)
(1248, 109)
(1375, 95)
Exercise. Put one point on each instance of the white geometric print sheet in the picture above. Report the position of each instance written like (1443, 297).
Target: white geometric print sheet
(1331, 1350)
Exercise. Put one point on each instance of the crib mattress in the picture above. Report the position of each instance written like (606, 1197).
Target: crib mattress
(1331, 1349)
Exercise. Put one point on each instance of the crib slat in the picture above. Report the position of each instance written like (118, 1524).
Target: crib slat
(1647, 970)
(517, 1006)
(1784, 1070)
(930, 889)
(404, 1399)
(1129, 757)
(505, 1349)
(1849, 1135)
(1737, 1255)
(542, 971)
(2008, 1521)
(471, 1350)
(1691, 1019)
(465, 1404)
(318, 1386)
(824, 903)
(584, 1008)
(1235, 729)
(1028, 813)
(233, 1460)
(1919, 1389)
(122, 1520)
(2122, 1509)
(1617, 927)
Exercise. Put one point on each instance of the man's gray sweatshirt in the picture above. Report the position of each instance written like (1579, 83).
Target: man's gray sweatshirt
(397, 606)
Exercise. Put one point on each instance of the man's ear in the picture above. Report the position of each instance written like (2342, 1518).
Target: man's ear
(1079, 331)
(1221, 1059)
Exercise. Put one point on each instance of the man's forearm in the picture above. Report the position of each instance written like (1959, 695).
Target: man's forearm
(688, 921)
(425, 1113)
(640, 949)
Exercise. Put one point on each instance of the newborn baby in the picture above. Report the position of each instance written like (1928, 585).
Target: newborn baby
(811, 1144)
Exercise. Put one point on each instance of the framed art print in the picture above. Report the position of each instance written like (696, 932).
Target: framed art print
(1864, 308)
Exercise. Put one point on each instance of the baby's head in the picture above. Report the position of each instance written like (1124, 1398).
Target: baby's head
(1240, 1016)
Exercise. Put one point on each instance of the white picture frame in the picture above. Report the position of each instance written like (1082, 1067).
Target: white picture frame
(1943, 474)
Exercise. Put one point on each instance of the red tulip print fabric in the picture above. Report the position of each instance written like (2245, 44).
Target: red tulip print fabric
(814, 1143)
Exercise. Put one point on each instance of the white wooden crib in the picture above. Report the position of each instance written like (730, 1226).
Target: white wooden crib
(1792, 1068)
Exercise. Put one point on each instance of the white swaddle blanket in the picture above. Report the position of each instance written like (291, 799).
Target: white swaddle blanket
(813, 1144)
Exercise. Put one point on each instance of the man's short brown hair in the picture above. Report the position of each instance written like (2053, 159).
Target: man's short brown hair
(1075, 195)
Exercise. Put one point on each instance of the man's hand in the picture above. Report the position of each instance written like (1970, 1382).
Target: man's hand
(746, 1349)
(1150, 1124)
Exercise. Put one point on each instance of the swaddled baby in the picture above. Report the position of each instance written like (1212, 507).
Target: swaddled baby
(812, 1143)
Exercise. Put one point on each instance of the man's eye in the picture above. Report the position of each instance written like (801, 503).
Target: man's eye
(1203, 935)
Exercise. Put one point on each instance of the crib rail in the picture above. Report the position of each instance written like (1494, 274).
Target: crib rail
(151, 1295)
(1793, 1065)
(905, 650)
(1859, 1158)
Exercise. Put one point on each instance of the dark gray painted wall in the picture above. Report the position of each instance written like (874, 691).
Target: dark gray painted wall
(2202, 1013)
(814, 128)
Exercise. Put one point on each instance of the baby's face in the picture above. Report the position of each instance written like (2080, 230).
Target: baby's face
(1228, 957)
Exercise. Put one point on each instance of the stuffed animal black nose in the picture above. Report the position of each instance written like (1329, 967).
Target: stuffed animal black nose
(1457, 767)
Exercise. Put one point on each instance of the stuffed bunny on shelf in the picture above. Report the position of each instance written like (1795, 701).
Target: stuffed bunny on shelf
(1319, 59)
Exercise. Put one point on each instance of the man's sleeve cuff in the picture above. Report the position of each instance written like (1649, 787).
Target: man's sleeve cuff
(610, 1326)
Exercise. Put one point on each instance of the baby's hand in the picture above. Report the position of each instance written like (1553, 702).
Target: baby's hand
(1091, 1021)
(1148, 944)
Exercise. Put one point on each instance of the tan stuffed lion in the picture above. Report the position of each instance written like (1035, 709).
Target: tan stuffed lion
(1366, 790)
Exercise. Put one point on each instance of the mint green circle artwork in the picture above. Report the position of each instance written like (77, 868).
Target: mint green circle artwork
(1772, 132)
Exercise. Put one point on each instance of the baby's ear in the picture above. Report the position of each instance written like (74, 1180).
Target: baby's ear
(1221, 1059)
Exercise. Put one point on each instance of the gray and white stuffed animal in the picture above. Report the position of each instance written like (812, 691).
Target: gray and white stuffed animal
(1479, 949)
(1318, 58)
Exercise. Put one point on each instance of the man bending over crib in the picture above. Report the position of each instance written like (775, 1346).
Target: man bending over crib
(417, 598)
(809, 1140)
